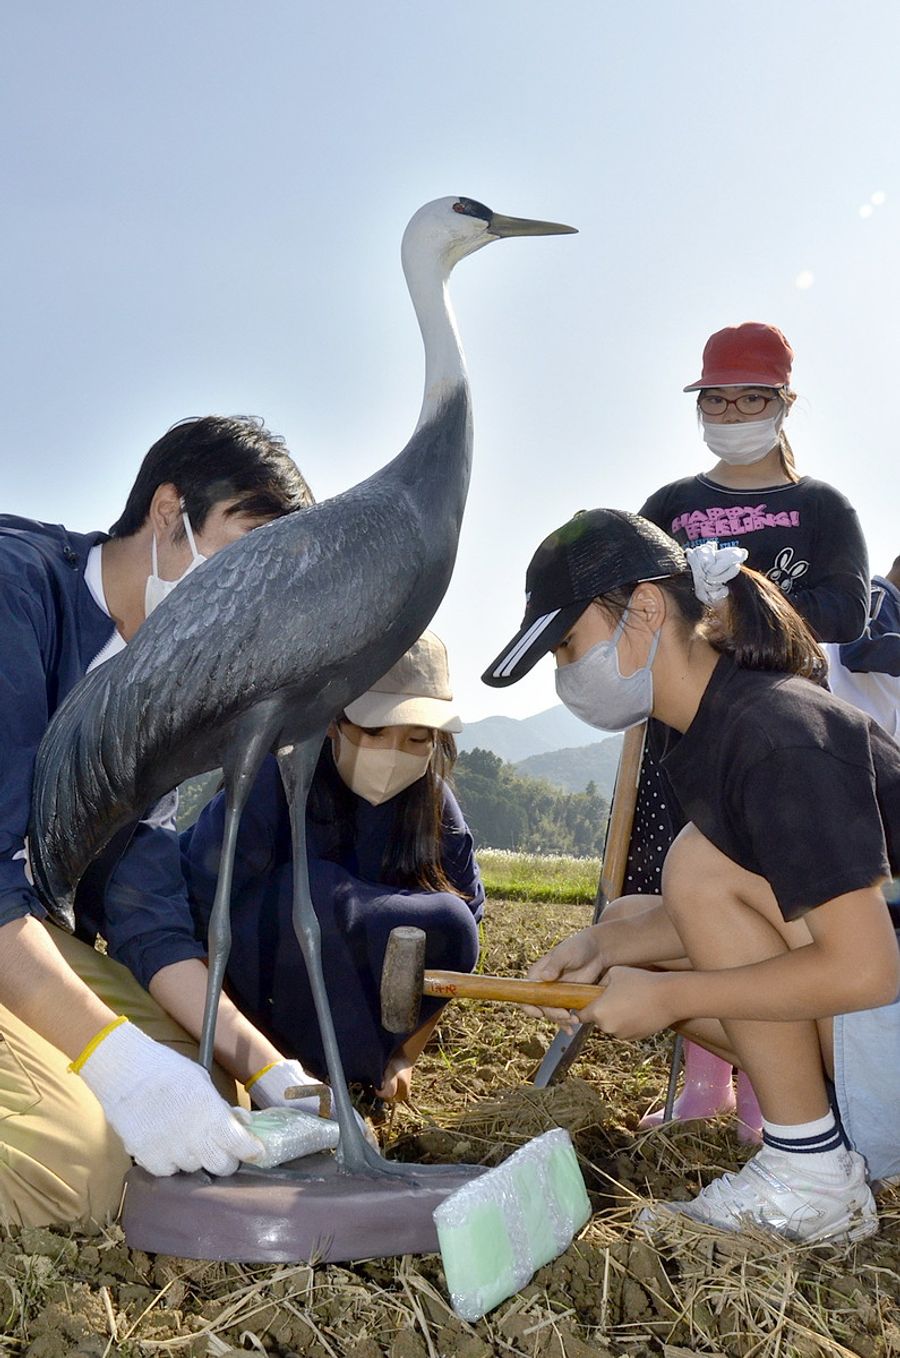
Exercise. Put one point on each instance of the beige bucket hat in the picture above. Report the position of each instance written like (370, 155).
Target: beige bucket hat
(414, 692)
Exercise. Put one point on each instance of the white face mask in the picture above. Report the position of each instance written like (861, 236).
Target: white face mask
(156, 589)
(741, 444)
(377, 774)
(594, 689)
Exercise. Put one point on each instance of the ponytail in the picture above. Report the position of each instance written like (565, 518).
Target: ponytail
(788, 464)
(762, 630)
(756, 624)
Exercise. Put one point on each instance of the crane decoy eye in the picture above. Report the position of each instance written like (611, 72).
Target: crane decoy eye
(471, 208)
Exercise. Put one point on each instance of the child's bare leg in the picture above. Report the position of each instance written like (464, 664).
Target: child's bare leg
(630, 909)
(707, 1090)
(728, 917)
(805, 1183)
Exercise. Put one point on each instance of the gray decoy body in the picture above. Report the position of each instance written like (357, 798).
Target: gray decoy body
(263, 645)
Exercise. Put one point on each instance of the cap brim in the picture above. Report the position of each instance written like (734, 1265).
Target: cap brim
(532, 640)
(398, 709)
(726, 379)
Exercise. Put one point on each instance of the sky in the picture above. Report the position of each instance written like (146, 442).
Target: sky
(203, 209)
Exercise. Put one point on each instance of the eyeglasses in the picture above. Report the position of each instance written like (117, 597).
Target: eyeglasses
(750, 403)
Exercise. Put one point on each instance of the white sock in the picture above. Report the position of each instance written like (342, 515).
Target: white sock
(820, 1146)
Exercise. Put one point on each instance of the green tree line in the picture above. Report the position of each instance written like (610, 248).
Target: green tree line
(505, 810)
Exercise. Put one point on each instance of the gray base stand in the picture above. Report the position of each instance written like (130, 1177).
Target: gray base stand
(307, 1211)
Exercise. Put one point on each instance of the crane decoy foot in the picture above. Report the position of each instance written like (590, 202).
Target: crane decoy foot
(365, 1160)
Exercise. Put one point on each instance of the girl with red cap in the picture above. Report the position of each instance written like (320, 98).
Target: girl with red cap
(800, 533)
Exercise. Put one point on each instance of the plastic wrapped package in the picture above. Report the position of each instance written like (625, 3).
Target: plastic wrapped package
(288, 1134)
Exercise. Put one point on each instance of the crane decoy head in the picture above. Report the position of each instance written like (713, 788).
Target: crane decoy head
(452, 228)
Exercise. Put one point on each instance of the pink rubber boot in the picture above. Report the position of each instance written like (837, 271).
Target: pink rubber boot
(707, 1089)
(749, 1114)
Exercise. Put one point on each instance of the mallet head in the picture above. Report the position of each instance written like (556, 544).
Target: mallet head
(401, 979)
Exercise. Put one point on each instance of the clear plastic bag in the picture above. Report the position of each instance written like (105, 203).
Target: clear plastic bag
(288, 1133)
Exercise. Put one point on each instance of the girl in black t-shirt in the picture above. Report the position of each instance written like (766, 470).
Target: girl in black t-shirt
(771, 943)
(801, 533)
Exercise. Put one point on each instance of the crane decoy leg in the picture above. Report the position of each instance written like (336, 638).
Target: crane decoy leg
(354, 1154)
(240, 766)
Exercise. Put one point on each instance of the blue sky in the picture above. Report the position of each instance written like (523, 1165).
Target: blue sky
(204, 204)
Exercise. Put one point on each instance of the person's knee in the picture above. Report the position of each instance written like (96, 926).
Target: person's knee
(695, 872)
(451, 933)
(701, 883)
(624, 907)
(59, 1178)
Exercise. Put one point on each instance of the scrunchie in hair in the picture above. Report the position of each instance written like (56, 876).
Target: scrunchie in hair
(712, 567)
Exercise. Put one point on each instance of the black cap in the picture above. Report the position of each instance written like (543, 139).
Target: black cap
(595, 552)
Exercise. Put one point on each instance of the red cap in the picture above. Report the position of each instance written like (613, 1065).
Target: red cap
(748, 355)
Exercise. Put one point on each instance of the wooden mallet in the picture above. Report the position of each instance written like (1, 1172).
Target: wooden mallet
(404, 981)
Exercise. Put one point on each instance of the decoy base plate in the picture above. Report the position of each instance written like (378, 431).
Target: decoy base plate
(306, 1211)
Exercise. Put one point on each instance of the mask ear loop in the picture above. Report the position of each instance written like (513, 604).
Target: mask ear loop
(620, 627)
(190, 532)
(617, 634)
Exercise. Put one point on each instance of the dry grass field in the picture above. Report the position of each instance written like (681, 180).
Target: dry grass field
(693, 1291)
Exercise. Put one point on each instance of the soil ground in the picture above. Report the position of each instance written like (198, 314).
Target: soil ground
(66, 1293)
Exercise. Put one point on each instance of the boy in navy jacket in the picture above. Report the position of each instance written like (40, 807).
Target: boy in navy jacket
(68, 601)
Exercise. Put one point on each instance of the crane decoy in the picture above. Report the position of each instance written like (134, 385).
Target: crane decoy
(263, 646)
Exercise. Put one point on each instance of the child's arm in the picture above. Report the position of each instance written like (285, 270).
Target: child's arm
(852, 963)
(634, 932)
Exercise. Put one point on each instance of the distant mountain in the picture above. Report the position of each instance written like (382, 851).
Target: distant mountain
(517, 738)
(572, 769)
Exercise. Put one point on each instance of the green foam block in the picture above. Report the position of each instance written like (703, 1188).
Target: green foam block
(536, 1222)
(496, 1230)
(478, 1256)
(568, 1184)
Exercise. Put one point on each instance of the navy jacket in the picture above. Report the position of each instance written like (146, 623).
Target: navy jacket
(264, 846)
(50, 630)
(356, 911)
(877, 651)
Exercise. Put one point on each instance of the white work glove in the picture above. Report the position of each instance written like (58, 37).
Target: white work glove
(164, 1107)
(267, 1091)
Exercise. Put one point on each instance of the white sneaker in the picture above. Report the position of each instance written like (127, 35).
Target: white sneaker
(769, 1193)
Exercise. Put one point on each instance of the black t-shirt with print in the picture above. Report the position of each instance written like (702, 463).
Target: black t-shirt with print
(791, 783)
(804, 536)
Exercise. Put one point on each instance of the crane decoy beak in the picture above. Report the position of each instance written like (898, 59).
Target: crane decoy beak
(524, 226)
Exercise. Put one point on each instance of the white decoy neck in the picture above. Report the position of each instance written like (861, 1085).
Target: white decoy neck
(445, 364)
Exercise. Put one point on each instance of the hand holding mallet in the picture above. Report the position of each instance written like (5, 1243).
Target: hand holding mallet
(404, 981)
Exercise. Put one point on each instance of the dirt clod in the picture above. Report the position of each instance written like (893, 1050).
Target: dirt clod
(407, 1344)
(365, 1348)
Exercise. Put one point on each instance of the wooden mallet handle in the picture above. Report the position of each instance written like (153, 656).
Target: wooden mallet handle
(405, 980)
(459, 985)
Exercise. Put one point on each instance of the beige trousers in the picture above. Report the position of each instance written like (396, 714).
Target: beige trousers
(60, 1161)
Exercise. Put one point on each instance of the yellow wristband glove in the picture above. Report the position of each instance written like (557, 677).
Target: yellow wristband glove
(164, 1107)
